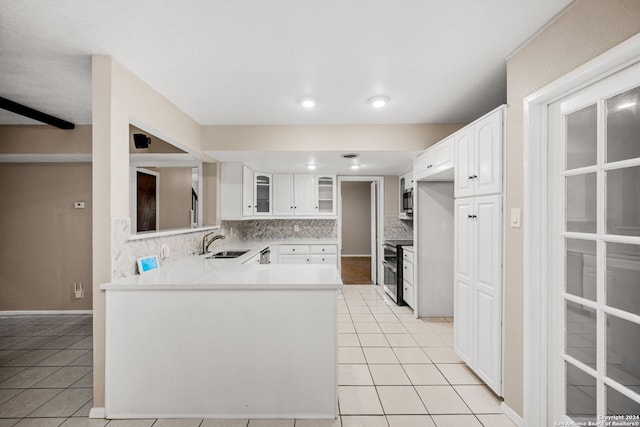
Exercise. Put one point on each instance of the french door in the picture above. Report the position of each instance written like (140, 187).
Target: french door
(594, 258)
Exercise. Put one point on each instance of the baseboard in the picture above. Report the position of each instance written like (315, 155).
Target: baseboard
(352, 255)
(23, 312)
(511, 414)
(97, 413)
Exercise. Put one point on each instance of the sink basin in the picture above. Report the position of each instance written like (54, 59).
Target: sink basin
(228, 254)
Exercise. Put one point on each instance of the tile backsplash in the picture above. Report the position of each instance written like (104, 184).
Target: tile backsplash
(395, 228)
(259, 229)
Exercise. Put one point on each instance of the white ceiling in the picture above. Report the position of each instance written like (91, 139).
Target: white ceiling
(371, 162)
(246, 61)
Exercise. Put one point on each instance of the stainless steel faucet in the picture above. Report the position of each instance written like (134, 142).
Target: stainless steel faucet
(206, 243)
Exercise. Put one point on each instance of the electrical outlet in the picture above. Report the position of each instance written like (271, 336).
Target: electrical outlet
(296, 228)
(77, 290)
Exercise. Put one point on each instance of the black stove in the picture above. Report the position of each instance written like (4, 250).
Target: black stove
(393, 269)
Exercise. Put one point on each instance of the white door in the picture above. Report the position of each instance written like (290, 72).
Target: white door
(247, 191)
(283, 194)
(463, 286)
(594, 256)
(464, 163)
(487, 168)
(374, 232)
(305, 194)
(487, 289)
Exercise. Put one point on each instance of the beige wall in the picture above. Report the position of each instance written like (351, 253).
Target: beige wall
(412, 137)
(43, 139)
(46, 243)
(585, 30)
(118, 97)
(391, 195)
(356, 218)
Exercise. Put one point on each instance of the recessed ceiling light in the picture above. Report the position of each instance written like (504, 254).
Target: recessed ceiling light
(311, 166)
(355, 166)
(350, 155)
(378, 101)
(307, 101)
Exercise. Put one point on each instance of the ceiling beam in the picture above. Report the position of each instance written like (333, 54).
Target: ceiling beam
(23, 110)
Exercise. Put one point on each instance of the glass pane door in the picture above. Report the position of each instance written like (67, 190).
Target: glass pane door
(595, 296)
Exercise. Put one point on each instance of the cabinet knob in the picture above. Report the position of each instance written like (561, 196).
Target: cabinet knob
(470, 216)
(470, 177)
(474, 177)
(295, 207)
(322, 249)
(293, 250)
(291, 207)
(322, 259)
(249, 206)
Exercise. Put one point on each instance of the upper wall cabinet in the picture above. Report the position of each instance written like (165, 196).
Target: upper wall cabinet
(478, 157)
(325, 194)
(248, 194)
(294, 194)
(436, 163)
(263, 187)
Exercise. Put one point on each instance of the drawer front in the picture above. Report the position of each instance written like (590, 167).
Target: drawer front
(324, 249)
(293, 249)
(294, 259)
(324, 259)
(407, 293)
(407, 256)
(407, 272)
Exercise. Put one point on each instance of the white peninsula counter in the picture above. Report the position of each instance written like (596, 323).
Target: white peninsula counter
(208, 338)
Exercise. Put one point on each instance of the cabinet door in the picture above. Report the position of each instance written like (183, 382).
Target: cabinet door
(442, 157)
(488, 155)
(463, 186)
(283, 194)
(420, 165)
(294, 259)
(262, 193)
(487, 288)
(304, 194)
(463, 279)
(326, 194)
(247, 191)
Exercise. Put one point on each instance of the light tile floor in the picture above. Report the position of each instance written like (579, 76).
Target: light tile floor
(394, 371)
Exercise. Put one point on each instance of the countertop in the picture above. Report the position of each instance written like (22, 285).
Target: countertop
(196, 272)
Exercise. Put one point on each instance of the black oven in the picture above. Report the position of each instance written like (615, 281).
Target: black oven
(407, 201)
(393, 269)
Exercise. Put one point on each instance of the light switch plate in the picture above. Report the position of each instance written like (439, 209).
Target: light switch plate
(516, 214)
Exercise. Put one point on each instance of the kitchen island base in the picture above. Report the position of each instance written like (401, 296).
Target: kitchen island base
(189, 352)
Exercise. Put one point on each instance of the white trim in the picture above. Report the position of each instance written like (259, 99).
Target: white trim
(97, 412)
(511, 414)
(535, 211)
(380, 181)
(46, 158)
(42, 312)
(172, 232)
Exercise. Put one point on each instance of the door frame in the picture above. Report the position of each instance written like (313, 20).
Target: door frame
(380, 208)
(536, 239)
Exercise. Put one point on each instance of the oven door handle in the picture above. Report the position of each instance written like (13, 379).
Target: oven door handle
(389, 266)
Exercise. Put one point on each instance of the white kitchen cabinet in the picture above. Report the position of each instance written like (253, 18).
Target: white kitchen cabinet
(231, 191)
(405, 183)
(247, 191)
(283, 203)
(478, 286)
(407, 277)
(478, 156)
(304, 191)
(263, 188)
(325, 194)
(435, 163)
(307, 254)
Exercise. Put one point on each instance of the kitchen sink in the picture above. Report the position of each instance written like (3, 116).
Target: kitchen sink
(227, 254)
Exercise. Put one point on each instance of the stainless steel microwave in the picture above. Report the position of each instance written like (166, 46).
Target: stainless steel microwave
(407, 201)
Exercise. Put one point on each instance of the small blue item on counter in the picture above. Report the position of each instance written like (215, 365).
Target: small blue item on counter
(147, 264)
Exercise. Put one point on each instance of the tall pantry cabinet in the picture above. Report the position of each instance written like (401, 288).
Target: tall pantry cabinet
(478, 247)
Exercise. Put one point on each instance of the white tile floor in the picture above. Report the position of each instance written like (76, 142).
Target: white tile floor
(394, 371)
